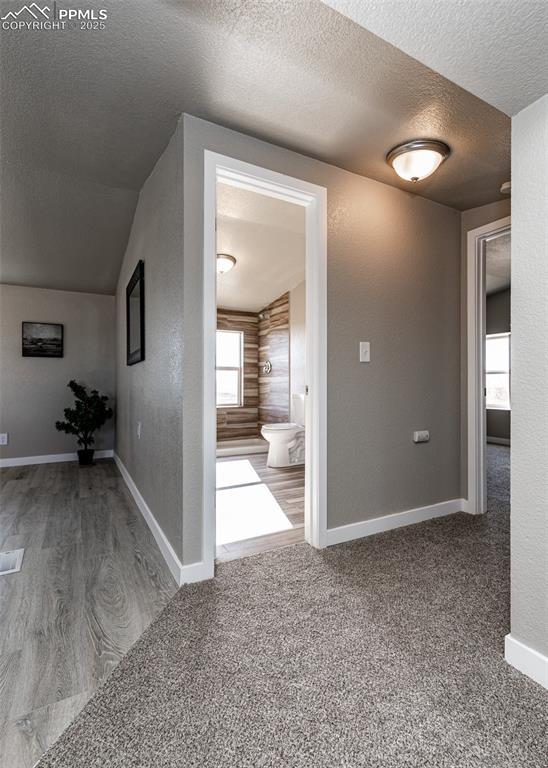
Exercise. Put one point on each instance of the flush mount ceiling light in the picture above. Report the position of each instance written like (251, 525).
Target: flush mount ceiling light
(415, 160)
(225, 262)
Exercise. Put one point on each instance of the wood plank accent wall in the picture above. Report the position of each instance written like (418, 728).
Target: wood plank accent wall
(274, 346)
(242, 422)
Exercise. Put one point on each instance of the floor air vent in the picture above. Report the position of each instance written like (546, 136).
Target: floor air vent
(10, 562)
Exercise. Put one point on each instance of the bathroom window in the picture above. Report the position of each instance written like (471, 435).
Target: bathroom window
(229, 367)
(497, 371)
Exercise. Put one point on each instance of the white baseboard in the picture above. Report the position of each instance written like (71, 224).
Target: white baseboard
(467, 507)
(197, 572)
(52, 458)
(526, 660)
(169, 554)
(396, 520)
(498, 440)
(183, 574)
(243, 450)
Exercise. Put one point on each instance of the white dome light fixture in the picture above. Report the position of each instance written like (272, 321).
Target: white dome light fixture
(225, 262)
(417, 159)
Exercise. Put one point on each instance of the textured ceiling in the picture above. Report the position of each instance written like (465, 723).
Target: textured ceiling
(87, 113)
(238, 203)
(267, 238)
(497, 264)
(496, 49)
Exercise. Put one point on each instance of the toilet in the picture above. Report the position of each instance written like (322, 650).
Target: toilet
(286, 440)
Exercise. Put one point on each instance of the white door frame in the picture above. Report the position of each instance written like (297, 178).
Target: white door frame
(475, 313)
(314, 198)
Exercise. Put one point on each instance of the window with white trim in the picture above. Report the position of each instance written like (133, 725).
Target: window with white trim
(229, 369)
(497, 371)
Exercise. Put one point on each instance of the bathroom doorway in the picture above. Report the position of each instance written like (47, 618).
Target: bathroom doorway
(488, 365)
(498, 342)
(264, 360)
(260, 372)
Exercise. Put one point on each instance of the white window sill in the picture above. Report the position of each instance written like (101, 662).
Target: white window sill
(230, 406)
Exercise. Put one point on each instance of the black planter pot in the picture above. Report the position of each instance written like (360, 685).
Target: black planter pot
(85, 457)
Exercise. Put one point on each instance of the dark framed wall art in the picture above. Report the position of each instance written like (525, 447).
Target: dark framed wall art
(42, 339)
(135, 315)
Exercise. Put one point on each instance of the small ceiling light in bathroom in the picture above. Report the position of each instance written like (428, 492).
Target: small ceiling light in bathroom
(225, 262)
(417, 159)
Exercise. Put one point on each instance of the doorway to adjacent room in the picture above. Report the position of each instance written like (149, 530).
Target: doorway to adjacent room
(264, 360)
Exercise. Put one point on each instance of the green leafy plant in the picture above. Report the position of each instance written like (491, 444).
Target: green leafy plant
(89, 414)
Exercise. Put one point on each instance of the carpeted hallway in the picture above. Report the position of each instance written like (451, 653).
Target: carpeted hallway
(498, 477)
(386, 652)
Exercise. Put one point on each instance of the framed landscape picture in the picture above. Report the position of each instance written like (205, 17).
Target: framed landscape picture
(42, 339)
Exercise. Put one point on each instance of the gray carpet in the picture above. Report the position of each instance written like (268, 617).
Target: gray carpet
(498, 475)
(387, 652)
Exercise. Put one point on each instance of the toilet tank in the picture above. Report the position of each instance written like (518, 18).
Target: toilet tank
(297, 402)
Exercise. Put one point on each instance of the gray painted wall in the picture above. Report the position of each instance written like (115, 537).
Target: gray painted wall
(498, 424)
(497, 320)
(393, 278)
(497, 312)
(33, 391)
(470, 219)
(529, 474)
(152, 391)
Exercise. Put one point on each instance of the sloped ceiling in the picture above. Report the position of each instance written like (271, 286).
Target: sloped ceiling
(496, 50)
(86, 114)
(267, 238)
(497, 264)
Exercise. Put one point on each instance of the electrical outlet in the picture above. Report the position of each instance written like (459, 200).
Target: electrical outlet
(421, 436)
(138, 430)
(3, 438)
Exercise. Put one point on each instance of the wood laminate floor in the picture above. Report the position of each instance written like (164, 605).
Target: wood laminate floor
(287, 487)
(92, 580)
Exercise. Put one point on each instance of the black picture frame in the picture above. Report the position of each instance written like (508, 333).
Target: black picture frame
(42, 339)
(135, 316)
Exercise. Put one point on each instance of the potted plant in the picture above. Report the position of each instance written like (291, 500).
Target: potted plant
(89, 414)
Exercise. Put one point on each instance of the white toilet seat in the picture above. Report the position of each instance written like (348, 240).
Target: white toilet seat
(286, 443)
(281, 426)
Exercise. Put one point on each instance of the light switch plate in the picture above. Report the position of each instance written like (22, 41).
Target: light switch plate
(3, 438)
(421, 436)
(365, 352)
